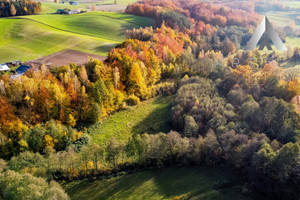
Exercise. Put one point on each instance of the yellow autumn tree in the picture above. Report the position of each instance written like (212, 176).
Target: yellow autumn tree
(71, 120)
(137, 82)
(244, 74)
(294, 86)
(49, 141)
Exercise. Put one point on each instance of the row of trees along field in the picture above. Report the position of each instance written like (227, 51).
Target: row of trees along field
(20, 7)
(238, 117)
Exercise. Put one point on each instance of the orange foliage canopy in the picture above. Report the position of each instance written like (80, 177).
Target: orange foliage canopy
(201, 14)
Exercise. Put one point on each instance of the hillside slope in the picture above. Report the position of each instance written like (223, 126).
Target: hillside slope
(31, 37)
(151, 116)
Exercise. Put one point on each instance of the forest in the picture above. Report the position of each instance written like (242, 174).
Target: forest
(240, 116)
(19, 8)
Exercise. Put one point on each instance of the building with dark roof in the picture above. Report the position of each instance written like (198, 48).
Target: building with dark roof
(22, 69)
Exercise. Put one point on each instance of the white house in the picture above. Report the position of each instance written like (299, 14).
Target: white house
(75, 11)
(4, 67)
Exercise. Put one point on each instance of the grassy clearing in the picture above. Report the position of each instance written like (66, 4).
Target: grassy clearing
(151, 116)
(293, 41)
(292, 4)
(36, 36)
(187, 183)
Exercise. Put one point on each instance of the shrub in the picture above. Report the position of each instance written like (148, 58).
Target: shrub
(133, 100)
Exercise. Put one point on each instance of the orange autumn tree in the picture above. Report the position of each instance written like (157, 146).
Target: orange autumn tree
(244, 74)
(10, 124)
(294, 86)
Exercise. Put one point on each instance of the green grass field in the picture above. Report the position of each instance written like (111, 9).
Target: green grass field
(292, 4)
(31, 37)
(185, 183)
(151, 116)
(49, 7)
(104, 25)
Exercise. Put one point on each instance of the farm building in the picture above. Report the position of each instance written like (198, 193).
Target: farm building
(14, 63)
(73, 3)
(75, 11)
(62, 11)
(68, 12)
(4, 67)
(22, 69)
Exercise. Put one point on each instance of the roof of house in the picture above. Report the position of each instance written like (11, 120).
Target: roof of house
(22, 69)
(16, 76)
(17, 61)
(4, 67)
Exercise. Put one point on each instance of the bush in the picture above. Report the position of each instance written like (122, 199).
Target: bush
(133, 100)
(165, 88)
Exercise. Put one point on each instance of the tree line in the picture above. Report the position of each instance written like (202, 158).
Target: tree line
(19, 8)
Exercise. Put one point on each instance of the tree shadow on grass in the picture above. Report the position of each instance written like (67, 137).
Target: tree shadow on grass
(105, 47)
(199, 183)
(123, 187)
(187, 182)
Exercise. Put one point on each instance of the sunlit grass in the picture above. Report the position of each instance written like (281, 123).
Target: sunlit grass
(151, 116)
(36, 36)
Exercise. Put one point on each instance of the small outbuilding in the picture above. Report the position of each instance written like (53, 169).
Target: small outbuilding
(22, 69)
(14, 63)
(73, 3)
(75, 11)
(4, 67)
(62, 11)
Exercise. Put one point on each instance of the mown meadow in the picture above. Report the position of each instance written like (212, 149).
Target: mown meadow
(30, 37)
